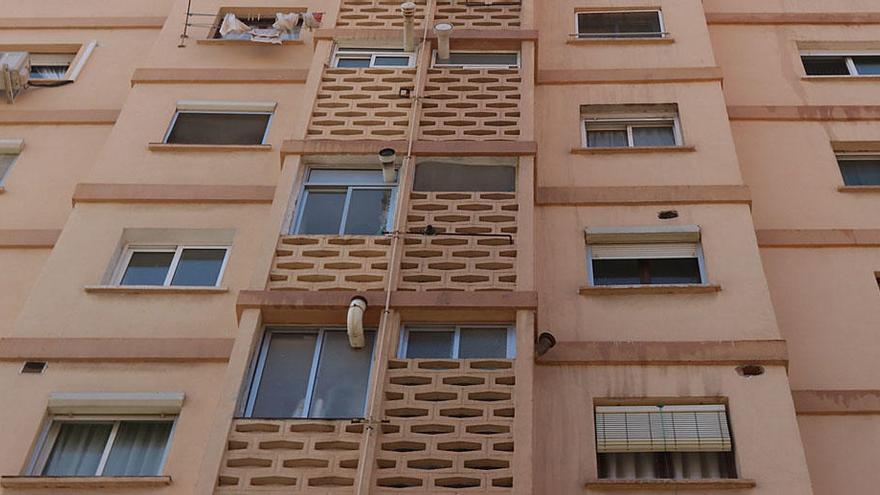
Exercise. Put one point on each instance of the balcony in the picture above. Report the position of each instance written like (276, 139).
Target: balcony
(489, 14)
(330, 263)
(376, 14)
(471, 105)
(362, 104)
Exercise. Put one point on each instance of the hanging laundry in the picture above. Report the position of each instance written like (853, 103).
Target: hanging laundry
(231, 25)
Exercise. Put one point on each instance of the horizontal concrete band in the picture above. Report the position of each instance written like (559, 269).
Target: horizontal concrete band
(457, 34)
(28, 238)
(641, 195)
(819, 113)
(426, 148)
(770, 352)
(629, 76)
(793, 18)
(836, 402)
(171, 193)
(58, 117)
(256, 299)
(218, 76)
(818, 238)
(82, 23)
(110, 349)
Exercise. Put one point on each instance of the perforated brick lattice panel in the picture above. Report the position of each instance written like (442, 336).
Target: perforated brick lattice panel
(460, 263)
(362, 104)
(276, 456)
(479, 15)
(471, 104)
(450, 427)
(375, 13)
(330, 263)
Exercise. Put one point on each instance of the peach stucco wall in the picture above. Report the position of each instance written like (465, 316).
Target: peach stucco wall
(841, 452)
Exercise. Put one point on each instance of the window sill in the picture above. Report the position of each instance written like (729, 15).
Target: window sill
(621, 41)
(669, 485)
(154, 289)
(633, 149)
(245, 42)
(859, 189)
(57, 482)
(208, 147)
(611, 290)
(841, 78)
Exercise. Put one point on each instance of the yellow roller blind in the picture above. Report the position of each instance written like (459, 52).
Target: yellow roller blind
(694, 428)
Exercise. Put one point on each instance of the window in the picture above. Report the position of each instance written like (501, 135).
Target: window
(454, 177)
(672, 442)
(173, 266)
(630, 126)
(371, 57)
(478, 59)
(202, 127)
(50, 66)
(345, 202)
(841, 65)
(860, 170)
(621, 24)
(105, 446)
(458, 342)
(645, 257)
(310, 374)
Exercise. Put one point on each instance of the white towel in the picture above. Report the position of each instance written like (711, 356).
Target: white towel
(231, 24)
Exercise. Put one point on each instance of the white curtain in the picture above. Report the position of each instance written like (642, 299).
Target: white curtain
(48, 71)
(606, 138)
(138, 448)
(77, 449)
(653, 136)
(652, 465)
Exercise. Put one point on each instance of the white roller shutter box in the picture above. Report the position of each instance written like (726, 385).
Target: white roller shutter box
(694, 428)
(643, 251)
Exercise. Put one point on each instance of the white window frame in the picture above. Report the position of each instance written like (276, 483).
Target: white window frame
(435, 61)
(628, 125)
(49, 436)
(349, 187)
(701, 262)
(260, 365)
(605, 36)
(848, 58)
(175, 261)
(177, 113)
(372, 54)
(456, 338)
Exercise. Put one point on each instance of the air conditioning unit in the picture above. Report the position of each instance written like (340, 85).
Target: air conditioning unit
(15, 69)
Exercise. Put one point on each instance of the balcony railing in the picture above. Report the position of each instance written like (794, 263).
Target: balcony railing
(330, 263)
(375, 14)
(490, 14)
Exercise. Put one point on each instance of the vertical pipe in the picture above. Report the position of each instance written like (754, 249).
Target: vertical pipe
(409, 10)
(182, 43)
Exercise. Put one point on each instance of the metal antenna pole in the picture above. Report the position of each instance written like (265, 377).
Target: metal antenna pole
(182, 43)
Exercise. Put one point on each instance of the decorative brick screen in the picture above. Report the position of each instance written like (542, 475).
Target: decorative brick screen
(491, 14)
(290, 456)
(362, 104)
(460, 263)
(330, 263)
(375, 14)
(471, 104)
(452, 427)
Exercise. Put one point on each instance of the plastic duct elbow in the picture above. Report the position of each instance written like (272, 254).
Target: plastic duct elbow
(356, 309)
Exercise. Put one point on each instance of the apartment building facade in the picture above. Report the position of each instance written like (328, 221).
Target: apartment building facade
(513, 247)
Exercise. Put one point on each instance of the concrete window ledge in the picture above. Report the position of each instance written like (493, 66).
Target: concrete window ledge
(621, 41)
(154, 289)
(872, 78)
(218, 41)
(611, 290)
(208, 147)
(633, 149)
(859, 189)
(668, 485)
(68, 482)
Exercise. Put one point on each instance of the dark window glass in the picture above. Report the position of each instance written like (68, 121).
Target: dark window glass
(654, 136)
(322, 213)
(435, 176)
(387, 61)
(199, 267)
(138, 448)
(342, 378)
(368, 211)
(77, 450)
(619, 24)
(607, 138)
(825, 66)
(867, 66)
(430, 345)
(285, 377)
(667, 465)
(646, 271)
(479, 58)
(482, 343)
(219, 128)
(353, 62)
(146, 268)
(860, 172)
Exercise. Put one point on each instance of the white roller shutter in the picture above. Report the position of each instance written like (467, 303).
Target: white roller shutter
(644, 251)
(693, 428)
